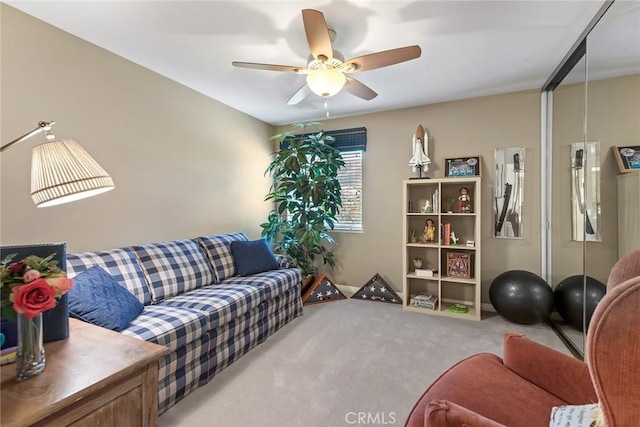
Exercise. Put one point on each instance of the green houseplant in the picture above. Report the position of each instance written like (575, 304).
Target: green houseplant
(306, 197)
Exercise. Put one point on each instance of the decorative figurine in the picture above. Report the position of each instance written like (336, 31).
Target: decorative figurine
(420, 145)
(454, 239)
(430, 231)
(464, 201)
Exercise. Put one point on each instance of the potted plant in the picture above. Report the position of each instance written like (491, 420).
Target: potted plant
(306, 197)
(413, 236)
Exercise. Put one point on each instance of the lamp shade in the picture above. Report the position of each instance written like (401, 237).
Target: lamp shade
(326, 81)
(62, 171)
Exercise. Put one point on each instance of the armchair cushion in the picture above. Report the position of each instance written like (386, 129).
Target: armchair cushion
(561, 375)
(484, 385)
(444, 413)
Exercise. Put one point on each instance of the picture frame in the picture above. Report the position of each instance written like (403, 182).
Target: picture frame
(627, 157)
(459, 265)
(462, 167)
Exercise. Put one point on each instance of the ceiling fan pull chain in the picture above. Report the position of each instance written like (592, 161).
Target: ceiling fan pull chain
(326, 105)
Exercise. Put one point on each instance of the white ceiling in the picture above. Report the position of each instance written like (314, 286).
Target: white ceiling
(469, 49)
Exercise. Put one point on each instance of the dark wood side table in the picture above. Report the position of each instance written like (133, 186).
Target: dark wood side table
(94, 377)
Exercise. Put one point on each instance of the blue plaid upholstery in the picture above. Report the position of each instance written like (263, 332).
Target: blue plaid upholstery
(206, 326)
(224, 355)
(280, 311)
(173, 327)
(181, 372)
(221, 303)
(225, 333)
(271, 283)
(218, 249)
(284, 261)
(172, 268)
(119, 263)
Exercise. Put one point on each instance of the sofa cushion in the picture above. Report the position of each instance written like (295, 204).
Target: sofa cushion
(97, 298)
(172, 268)
(218, 250)
(121, 264)
(271, 283)
(253, 257)
(221, 303)
(172, 327)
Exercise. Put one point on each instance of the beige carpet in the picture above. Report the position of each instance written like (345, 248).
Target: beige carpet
(343, 363)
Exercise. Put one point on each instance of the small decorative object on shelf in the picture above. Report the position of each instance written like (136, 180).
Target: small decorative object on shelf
(459, 265)
(30, 287)
(413, 236)
(424, 272)
(454, 239)
(429, 231)
(463, 167)
(471, 243)
(464, 201)
(458, 308)
(417, 263)
(448, 204)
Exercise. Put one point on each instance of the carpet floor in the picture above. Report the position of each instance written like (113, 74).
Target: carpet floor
(343, 363)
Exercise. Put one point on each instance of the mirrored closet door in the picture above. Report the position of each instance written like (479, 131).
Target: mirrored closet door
(592, 106)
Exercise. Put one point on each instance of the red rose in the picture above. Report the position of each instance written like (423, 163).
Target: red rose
(16, 267)
(33, 298)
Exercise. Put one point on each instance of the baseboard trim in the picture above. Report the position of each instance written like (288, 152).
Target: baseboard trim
(350, 290)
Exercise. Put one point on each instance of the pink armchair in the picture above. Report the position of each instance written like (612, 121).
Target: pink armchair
(522, 388)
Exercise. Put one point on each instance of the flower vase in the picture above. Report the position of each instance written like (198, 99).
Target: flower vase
(30, 359)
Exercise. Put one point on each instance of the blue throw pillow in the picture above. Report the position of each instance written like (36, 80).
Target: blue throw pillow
(96, 297)
(253, 257)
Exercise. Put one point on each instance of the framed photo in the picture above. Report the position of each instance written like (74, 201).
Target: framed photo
(628, 158)
(462, 167)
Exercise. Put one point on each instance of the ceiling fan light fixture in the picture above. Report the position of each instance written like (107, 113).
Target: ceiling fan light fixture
(326, 82)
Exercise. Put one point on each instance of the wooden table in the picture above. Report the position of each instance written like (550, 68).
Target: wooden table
(94, 377)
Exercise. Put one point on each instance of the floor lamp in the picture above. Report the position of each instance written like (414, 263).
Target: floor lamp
(62, 171)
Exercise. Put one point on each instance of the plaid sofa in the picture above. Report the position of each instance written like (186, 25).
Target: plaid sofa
(196, 305)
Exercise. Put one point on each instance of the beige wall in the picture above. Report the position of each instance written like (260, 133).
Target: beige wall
(183, 164)
(186, 165)
(461, 128)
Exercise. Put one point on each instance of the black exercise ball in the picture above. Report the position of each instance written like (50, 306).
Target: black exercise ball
(521, 296)
(570, 298)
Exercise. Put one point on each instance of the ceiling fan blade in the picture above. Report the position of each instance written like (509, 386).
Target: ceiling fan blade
(255, 65)
(384, 58)
(359, 89)
(317, 33)
(300, 94)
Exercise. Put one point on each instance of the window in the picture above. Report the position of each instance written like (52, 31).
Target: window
(352, 143)
(350, 177)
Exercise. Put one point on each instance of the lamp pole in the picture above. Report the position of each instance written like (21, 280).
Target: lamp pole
(42, 126)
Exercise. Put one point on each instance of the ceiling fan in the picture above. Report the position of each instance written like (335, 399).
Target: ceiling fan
(327, 70)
